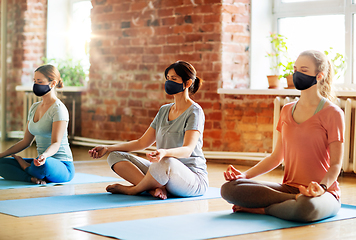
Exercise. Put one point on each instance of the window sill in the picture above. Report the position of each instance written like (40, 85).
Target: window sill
(279, 92)
(22, 88)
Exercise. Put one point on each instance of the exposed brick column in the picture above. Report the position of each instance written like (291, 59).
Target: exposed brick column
(26, 45)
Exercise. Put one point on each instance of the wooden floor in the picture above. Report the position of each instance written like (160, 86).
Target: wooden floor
(60, 226)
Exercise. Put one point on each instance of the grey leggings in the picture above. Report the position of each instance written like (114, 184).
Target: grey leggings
(279, 200)
(170, 172)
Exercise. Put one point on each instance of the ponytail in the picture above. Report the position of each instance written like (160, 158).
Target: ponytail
(325, 88)
(197, 83)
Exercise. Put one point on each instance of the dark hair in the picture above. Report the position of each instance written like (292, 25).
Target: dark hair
(186, 71)
(51, 73)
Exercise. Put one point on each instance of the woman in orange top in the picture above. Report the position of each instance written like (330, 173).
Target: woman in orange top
(310, 142)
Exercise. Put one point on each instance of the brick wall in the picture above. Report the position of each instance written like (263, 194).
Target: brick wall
(26, 43)
(134, 41)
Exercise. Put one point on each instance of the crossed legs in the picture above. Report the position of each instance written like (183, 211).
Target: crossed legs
(14, 168)
(167, 175)
(141, 182)
(278, 200)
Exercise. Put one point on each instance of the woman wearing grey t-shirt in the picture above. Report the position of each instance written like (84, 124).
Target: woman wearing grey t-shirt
(178, 165)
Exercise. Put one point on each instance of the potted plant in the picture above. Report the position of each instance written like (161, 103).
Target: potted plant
(278, 50)
(288, 70)
(72, 72)
(338, 62)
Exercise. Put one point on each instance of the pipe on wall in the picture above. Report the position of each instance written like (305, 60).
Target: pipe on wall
(248, 156)
(3, 68)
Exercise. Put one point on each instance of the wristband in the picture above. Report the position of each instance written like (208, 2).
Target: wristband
(324, 187)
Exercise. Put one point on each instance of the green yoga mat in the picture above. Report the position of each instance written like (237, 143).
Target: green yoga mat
(86, 202)
(202, 225)
(79, 178)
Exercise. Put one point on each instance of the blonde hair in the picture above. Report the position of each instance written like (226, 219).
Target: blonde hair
(323, 65)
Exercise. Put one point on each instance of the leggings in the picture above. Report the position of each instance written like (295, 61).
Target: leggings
(170, 172)
(279, 200)
(53, 170)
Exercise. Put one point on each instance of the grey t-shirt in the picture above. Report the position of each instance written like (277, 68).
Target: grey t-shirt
(42, 129)
(170, 134)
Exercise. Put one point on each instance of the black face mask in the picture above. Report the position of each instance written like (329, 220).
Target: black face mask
(40, 90)
(302, 81)
(172, 87)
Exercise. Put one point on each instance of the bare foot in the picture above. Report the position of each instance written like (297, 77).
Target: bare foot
(120, 189)
(38, 181)
(22, 162)
(236, 208)
(159, 193)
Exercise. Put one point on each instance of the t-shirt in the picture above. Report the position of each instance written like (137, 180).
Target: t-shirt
(42, 129)
(306, 145)
(170, 134)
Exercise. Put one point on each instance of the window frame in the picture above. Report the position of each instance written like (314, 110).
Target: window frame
(324, 7)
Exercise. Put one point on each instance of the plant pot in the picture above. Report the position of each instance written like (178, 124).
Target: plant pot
(290, 82)
(273, 81)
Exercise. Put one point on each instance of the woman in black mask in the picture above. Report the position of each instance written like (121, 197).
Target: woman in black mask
(47, 123)
(310, 143)
(178, 165)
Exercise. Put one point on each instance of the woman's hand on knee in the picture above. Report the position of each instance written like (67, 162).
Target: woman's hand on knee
(313, 190)
(233, 174)
(39, 161)
(156, 156)
(98, 151)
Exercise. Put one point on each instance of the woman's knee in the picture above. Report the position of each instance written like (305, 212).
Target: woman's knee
(113, 158)
(307, 210)
(164, 166)
(165, 169)
(227, 189)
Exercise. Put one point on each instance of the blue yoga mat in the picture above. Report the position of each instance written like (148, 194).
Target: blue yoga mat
(79, 178)
(202, 225)
(85, 202)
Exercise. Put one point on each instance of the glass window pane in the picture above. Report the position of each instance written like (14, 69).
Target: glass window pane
(80, 31)
(290, 1)
(314, 32)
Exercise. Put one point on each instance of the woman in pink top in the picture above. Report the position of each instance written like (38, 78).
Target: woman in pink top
(310, 142)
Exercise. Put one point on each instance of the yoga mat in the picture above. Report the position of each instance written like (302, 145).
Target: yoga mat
(85, 202)
(202, 225)
(79, 178)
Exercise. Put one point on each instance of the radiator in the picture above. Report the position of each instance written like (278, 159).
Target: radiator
(348, 106)
(28, 99)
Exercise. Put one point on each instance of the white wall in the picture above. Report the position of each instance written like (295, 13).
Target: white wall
(261, 26)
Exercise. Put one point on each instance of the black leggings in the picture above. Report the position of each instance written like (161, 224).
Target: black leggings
(279, 200)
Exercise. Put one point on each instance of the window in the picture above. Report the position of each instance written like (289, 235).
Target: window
(325, 25)
(68, 30)
(316, 35)
(327, 22)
